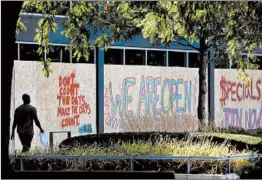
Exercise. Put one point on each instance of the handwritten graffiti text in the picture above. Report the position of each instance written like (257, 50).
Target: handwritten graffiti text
(70, 103)
(239, 91)
(252, 118)
(155, 95)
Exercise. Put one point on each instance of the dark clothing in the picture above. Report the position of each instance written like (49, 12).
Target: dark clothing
(26, 141)
(24, 117)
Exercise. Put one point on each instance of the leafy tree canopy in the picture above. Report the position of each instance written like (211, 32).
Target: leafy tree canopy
(237, 24)
(227, 27)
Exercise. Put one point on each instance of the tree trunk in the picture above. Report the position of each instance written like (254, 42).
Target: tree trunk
(10, 15)
(202, 85)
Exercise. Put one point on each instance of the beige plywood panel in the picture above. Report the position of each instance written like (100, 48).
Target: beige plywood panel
(146, 98)
(236, 103)
(66, 100)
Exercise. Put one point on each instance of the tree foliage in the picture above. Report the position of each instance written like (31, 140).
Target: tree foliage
(238, 24)
(227, 27)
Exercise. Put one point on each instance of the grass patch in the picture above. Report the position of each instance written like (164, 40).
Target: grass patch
(163, 146)
(252, 140)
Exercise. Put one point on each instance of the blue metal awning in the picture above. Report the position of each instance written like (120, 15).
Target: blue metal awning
(31, 20)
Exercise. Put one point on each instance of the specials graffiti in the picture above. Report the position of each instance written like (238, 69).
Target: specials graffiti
(239, 91)
(245, 94)
(71, 104)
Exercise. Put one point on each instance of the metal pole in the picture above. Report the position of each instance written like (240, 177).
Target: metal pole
(188, 166)
(18, 51)
(69, 134)
(51, 140)
(95, 55)
(229, 165)
(61, 55)
(186, 60)
(124, 57)
(146, 58)
(100, 91)
(71, 56)
(167, 60)
(132, 164)
(76, 163)
(45, 53)
(21, 164)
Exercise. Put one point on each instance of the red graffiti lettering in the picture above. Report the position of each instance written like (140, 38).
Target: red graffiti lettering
(239, 98)
(61, 111)
(233, 91)
(70, 101)
(70, 121)
(258, 89)
(230, 89)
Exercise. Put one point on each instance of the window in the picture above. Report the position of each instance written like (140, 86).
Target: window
(193, 60)
(135, 57)
(65, 55)
(259, 62)
(56, 54)
(28, 52)
(176, 59)
(156, 58)
(114, 56)
(222, 63)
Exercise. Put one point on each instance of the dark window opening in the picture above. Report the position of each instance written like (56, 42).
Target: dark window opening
(234, 66)
(259, 62)
(55, 54)
(114, 56)
(222, 63)
(135, 57)
(156, 58)
(28, 52)
(65, 55)
(176, 59)
(193, 60)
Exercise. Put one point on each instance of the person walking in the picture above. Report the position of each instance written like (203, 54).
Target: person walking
(24, 116)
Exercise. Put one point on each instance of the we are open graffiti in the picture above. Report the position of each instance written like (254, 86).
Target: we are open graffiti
(154, 95)
(71, 104)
